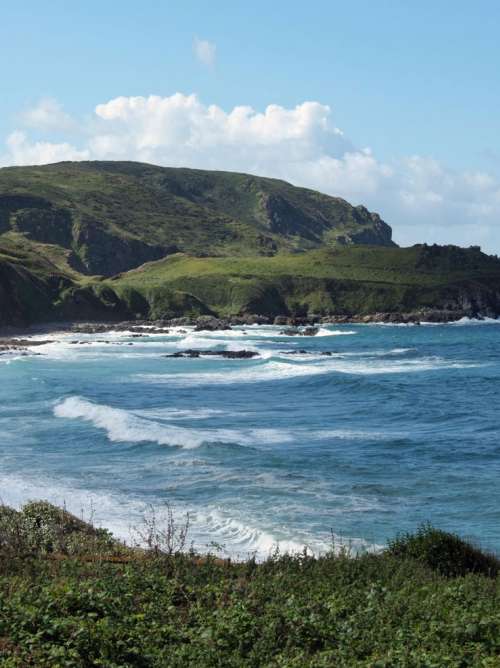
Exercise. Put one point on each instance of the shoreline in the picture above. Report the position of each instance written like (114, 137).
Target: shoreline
(11, 333)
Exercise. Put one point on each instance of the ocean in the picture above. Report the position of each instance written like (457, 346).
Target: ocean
(394, 427)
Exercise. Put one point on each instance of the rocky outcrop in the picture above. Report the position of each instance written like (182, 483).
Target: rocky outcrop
(226, 354)
(210, 324)
(22, 346)
(295, 331)
(375, 233)
(409, 317)
(99, 251)
(95, 249)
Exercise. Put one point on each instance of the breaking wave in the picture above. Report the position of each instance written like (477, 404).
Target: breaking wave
(135, 427)
(127, 426)
(275, 371)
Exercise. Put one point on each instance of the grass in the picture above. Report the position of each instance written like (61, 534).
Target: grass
(41, 285)
(100, 604)
(418, 265)
(250, 245)
(346, 280)
(200, 212)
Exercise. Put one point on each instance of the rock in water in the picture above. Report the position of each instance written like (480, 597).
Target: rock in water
(226, 354)
(295, 331)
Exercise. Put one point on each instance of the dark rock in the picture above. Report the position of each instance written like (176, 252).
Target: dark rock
(180, 322)
(184, 353)
(295, 331)
(20, 344)
(102, 328)
(327, 353)
(251, 319)
(210, 324)
(239, 354)
(226, 354)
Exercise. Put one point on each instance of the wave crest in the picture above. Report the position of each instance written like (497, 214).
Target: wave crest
(126, 426)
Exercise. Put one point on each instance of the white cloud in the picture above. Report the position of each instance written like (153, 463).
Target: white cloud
(422, 199)
(21, 151)
(47, 114)
(204, 51)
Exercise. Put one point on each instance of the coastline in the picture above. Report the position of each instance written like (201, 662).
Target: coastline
(10, 333)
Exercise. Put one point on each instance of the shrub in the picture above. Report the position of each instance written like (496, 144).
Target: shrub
(178, 609)
(41, 528)
(444, 552)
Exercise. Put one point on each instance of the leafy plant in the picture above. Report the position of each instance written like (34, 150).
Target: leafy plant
(444, 552)
(181, 609)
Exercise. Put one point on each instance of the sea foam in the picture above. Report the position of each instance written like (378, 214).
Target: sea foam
(136, 427)
(126, 426)
(271, 370)
(124, 516)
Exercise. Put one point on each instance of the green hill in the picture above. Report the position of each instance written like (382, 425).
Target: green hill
(113, 216)
(343, 281)
(107, 241)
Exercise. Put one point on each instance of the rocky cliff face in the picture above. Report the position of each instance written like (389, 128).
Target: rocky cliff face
(375, 231)
(98, 251)
(26, 297)
(95, 249)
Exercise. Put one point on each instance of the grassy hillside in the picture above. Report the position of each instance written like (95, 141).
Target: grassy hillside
(114, 216)
(344, 280)
(70, 595)
(102, 241)
(38, 285)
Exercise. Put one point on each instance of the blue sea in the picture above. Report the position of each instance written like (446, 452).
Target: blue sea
(399, 425)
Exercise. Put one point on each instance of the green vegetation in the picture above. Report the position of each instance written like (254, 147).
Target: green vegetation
(344, 280)
(100, 241)
(71, 596)
(445, 553)
(113, 216)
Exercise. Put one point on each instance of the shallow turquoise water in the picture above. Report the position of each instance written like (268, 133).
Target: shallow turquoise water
(398, 426)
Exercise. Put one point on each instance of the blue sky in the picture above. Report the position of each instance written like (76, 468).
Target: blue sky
(416, 83)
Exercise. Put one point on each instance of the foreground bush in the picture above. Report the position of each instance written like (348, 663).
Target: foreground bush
(158, 609)
(444, 552)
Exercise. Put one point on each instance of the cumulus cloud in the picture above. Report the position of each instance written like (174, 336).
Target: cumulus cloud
(22, 151)
(48, 114)
(205, 51)
(422, 199)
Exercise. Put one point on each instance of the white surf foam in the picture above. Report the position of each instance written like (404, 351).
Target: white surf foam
(180, 414)
(274, 370)
(264, 372)
(244, 538)
(260, 331)
(460, 322)
(127, 426)
(8, 358)
(323, 331)
(476, 321)
(137, 427)
(123, 515)
(115, 512)
(318, 355)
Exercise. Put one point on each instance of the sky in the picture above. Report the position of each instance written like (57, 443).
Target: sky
(390, 104)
